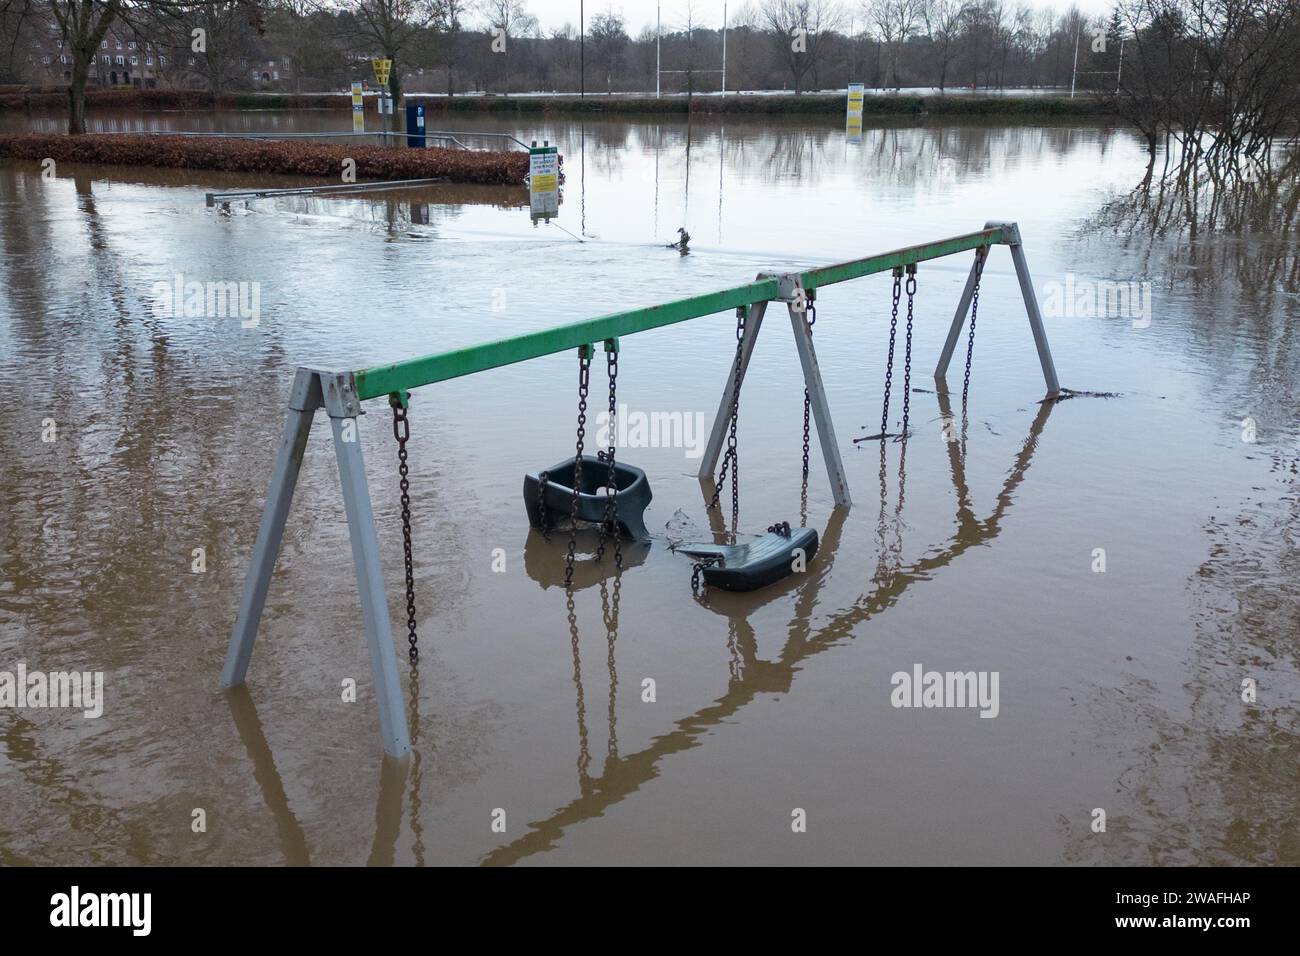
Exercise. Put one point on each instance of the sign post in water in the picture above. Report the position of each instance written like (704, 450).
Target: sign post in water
(358, 108)
(543, 181)
(853, 124)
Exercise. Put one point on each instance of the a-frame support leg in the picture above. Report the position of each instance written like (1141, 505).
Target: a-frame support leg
(821, 410)
(1011, 237)
(303, 402)
(812, 381)
(335, 392)
(717, 437)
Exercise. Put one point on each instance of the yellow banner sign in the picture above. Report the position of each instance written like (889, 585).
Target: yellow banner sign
(382, 68)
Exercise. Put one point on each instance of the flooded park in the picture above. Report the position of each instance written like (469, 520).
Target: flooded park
(1123, 563)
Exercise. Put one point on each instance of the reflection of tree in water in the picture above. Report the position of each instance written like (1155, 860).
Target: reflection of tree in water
(1217, 785)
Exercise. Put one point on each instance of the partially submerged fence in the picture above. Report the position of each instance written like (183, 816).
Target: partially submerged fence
(341, 393)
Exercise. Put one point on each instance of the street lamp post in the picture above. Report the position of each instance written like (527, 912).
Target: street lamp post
(658, 33)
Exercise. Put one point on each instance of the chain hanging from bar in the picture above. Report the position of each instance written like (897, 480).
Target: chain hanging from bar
(811, 317)
(542, 510)
(610, 523)
(907, 352)
(729, 458)
(402, 432)
(889, 362)
(584, 379)
(980, 255)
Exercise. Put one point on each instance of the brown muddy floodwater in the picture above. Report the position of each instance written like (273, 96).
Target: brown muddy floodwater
(1120, 691)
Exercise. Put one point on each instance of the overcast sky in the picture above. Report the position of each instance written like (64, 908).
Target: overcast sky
(708, 13)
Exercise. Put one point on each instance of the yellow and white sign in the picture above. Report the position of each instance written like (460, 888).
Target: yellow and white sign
(853, 122)
(857, 93)
(382, 68)
(544, 181)
(358, 108)
(544, 169)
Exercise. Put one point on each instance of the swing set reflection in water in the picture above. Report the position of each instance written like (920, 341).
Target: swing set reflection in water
(399, 788)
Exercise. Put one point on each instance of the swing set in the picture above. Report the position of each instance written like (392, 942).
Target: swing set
(600, 490)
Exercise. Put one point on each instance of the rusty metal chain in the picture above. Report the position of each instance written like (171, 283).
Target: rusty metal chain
(980, 255)
(730, 457)
(542, 510)
(402, 432)
(610, 523)
(584, 380)
(889, 362)
(811, 318)
(907, 353)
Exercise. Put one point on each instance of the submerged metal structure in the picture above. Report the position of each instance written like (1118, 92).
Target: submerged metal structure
(341, 395)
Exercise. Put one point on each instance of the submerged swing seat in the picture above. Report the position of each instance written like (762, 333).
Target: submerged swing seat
(631, 501)
(756, 564)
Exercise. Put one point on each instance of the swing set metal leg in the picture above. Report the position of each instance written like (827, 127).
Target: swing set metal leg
(336, 393)
(789, 286)
(1011, 237)
(713, 450)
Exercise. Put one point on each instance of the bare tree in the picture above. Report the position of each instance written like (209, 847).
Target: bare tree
(942, 19)
(390, 28)
(449, 23)
(608, 42)
(800, 29)
(506, 19)
(894, 21)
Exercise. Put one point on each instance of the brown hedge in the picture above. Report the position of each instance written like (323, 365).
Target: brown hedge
(270, 156)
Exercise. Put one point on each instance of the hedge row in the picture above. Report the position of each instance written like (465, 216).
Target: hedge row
(810, 103)
(47, 99)
(271, 156)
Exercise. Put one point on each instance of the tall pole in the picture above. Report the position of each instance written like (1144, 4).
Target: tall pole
(1074, 74)
(1119, 71)
(724, 47)
(582, 52)
(658, 33)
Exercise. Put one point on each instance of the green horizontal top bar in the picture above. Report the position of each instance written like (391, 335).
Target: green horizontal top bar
(384, 379)
(857, 268)
(400, 376)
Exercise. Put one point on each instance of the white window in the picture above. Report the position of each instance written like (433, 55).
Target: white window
(162, 61)
(275, 74)
(119, 44)
(190, 61)
(130, 44)
(109, 59)
(45, 59)
(135, 61)
(104, 46)
(121, 61)
(148, 61)
(63, 58)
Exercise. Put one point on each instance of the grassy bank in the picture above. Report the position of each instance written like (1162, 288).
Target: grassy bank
(266, 156)
(824, 104)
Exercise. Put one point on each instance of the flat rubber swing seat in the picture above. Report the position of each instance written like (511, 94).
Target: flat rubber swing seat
(756, 564)
(632, 500)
